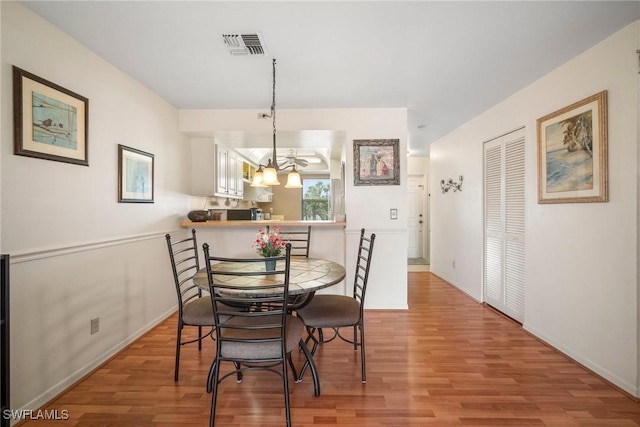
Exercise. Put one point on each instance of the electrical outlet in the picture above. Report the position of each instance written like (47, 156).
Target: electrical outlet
(95, 325)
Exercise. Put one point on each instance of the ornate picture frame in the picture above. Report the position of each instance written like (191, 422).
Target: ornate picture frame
(572, 153)
(50, 122)
(376, 162)
(135, 175)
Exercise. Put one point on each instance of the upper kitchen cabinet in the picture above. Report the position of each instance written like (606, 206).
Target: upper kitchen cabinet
(215, 170)
(248, 170)
(222, 162)
(257, 194)
(229, 166)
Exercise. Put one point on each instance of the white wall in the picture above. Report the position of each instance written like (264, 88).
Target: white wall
(366, 206)
(77, 253)
(581, 273)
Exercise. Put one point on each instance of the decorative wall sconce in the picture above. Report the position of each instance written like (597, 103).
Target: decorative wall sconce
(450, 184)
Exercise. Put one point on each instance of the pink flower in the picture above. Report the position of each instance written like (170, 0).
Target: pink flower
(269, 243)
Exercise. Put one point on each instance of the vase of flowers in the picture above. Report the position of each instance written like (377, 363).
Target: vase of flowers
(269, 243)
(269, 264)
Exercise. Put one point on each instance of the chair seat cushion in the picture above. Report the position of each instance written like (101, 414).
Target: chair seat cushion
(199, 312)
(259, 350)
(330, 311)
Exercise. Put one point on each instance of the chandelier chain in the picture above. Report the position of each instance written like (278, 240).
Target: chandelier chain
(273, 110)
(273, 101)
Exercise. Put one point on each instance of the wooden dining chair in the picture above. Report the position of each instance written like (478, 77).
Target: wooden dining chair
(340, 311)
(254, 339)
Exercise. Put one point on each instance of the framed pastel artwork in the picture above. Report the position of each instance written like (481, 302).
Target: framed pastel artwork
(572, 153)
(50, 122)
(376, 162)
(135, 175)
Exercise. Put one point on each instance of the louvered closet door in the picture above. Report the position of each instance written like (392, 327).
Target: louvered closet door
(504, 252)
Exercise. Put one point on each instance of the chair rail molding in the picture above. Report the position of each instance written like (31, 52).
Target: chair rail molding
(54, 251)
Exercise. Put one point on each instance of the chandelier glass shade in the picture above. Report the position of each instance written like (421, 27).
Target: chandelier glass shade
(293, 179)
(257, 178)
(270, 175)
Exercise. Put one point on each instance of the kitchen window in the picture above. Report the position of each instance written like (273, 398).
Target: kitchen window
(315, 198)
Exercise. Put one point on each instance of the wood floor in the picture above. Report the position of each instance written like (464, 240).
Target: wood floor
(448, 361)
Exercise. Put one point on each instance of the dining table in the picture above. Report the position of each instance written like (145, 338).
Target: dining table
(306, 276)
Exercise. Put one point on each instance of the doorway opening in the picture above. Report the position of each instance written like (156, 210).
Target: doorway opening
(417, 224)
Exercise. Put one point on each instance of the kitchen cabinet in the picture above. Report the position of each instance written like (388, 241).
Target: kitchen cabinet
(228, 175)
(264, 194)
(217, 170)
(238, 174)
(222, 159)
(248, 170)
(257, 194)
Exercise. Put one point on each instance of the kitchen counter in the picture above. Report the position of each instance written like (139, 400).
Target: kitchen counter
(236, 238)
(287, 223)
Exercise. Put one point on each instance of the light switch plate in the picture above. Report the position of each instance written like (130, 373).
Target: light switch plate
(393, 213)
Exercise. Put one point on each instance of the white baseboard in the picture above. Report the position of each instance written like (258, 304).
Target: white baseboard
(631, 389)
(72, 379)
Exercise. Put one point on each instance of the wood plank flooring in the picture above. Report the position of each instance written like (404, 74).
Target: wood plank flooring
(448, 361)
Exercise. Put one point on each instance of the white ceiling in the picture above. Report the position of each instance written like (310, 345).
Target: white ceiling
(444, 61)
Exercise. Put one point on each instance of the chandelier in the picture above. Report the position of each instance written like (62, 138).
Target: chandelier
(268, 175)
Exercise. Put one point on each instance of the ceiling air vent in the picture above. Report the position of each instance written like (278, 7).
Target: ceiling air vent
(244, 44)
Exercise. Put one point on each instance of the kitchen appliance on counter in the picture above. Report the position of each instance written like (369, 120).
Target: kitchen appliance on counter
(253, 214)
(199, 216)
(256, 214)
(215, 214)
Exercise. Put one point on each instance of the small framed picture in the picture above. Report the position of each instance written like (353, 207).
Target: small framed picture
(135, 175)
(376, 162)
(50, 122)
(572, 153)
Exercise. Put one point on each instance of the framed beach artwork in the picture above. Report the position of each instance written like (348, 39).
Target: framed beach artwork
(50, 122)
(572, 153)
(135, 175)
(376, 162)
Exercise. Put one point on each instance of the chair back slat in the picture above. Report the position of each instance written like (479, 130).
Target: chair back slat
(300, 239)
(363, 264)
(244, 282)
(183, 255)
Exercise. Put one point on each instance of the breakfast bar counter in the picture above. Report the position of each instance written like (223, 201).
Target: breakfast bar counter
(262, 223)
(235, 238)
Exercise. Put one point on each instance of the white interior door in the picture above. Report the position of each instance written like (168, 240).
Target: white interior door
(504, 225)
(415, 217)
